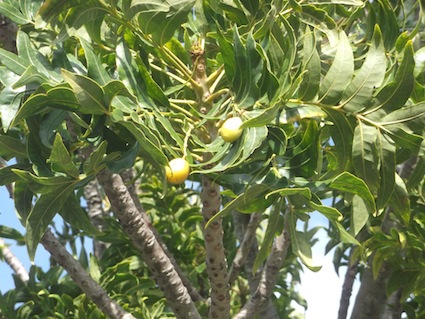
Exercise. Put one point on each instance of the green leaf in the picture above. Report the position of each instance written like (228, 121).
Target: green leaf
(331, 213)
(359, 215)
(95, 69)
(61, 160)
(11, 147)
(248, 70)
(13, 13)
(73, 214)
(43, 185)
(57, 97)
(95, 160)
(271, 232)
(10, 100)
(37, 154)
(358, 94)
(88, 93)
(365, 155)
(345, 236)
(358, 3)
(347, 182)
(301, 245)
(32, 56)
(395, 94)
(252, 193)
(11, 233)
(149, 148)
(400, 200)
(41, 215)
(408, 118)
(340, 73)
(160, 18)
(311, 70)
(23, 197)
(13, 62)
(386, 153)
(7, 176)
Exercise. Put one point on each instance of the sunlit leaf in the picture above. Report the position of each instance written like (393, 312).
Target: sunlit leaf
(60, 159)
(359, 92)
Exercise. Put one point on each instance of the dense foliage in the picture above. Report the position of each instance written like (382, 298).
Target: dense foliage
(332, 98)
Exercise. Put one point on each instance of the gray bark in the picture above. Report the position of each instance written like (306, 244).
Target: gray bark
(13, 262)
(146, 243)
(90, 287)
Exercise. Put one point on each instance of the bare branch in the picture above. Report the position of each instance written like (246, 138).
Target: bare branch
(96, 214)
(90, 287)
(269, 275)
(347, 289)
(245, 247)
(146, 243)
(13, 262)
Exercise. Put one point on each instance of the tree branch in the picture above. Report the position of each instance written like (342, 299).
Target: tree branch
(269, 275)
(128, 176)
(146, 243)
(13, 262)
(347, 289)
(90, 287)
(245, 247)
(96, 214)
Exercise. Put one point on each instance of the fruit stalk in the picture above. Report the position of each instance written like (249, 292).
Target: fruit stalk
(211, 201)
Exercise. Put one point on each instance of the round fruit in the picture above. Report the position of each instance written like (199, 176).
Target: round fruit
(231, 129)
(177, 171)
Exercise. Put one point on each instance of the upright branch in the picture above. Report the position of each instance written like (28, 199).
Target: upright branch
(90, 287)
(211, 202)
(147, 244)
(269, 275)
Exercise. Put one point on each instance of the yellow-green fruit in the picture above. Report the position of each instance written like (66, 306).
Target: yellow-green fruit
(231, 129)
(177, 171)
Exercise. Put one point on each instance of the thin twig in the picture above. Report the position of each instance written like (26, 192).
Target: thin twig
(13, 262)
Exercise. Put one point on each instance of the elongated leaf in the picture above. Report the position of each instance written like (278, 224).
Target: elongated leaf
(330, 212)
(271, 232)
(301, 246)
(13, 13)
(7, 176)
(11, 147)
(359, 215)
(93, 164)
(400, 200)
(312, 69)
(31, 56)
(43, 185)
(89, 94)
(347, 2)
(365, 155)
(251, 194)
(347, 182)
(386, 153)
(72, 213)
(358, 94)
(23, 197)
(61, 160)
(13, 62)
(57, 97)
(12, 233)
(248, 70)
(408, 118)
(150, 149)
(41, 215)
(10, 100)
(344, 235)
(95, 69)
(394, 95)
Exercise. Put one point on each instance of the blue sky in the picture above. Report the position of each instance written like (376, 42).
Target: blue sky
(321, 290)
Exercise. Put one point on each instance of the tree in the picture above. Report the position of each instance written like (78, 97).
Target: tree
(101, 95)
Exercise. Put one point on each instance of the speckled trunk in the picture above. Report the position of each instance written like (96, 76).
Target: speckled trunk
(146, 243)
(215, 254)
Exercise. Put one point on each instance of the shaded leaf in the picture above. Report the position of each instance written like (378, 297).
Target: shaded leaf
(61, 160)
